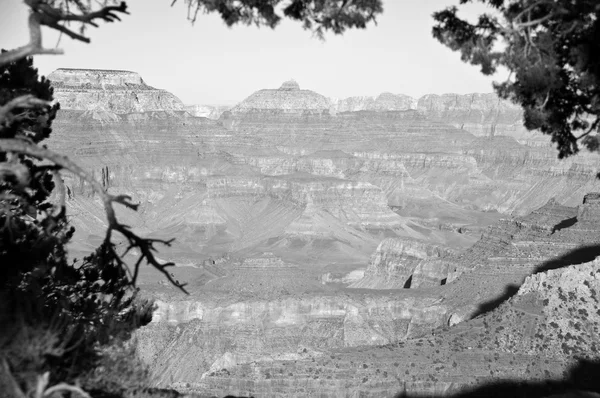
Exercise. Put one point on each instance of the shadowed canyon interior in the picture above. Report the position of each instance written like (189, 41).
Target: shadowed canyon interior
(367, 245)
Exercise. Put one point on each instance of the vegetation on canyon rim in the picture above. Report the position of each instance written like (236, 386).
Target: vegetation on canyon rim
(66, 323)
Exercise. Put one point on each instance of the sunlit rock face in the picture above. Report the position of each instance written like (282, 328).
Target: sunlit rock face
(288, 99)
(394, 262)
(208, 111)
(383, 102)
(481, 114)
(114, 91)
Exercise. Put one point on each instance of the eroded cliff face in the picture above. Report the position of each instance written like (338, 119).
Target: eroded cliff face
(288, 99)
(394, 262)
(541, 325)
(113, 91)
(480, 114)
(534, 336)
(383, 102)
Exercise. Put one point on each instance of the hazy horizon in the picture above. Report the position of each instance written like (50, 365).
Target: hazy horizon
(209, 63)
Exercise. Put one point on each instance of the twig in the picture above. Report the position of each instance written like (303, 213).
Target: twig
(33, 47)
(62, 193)
(43, 13)
(592, 127)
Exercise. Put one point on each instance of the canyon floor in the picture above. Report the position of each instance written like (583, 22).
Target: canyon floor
(354, 247)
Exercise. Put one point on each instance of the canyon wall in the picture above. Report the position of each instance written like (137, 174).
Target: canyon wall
(114, 91)
(534, 280)
(299, 201)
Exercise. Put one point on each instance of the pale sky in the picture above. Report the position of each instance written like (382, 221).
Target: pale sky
(208, 63)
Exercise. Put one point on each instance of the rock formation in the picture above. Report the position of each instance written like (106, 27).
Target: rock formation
(296, 199)
(536, 332)
(383, 102)
(288, 99)
(114, 91)
(535, 336)
(480, 114)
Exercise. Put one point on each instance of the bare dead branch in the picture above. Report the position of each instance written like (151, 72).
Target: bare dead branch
(538, 21)
(52, 17)
(44, 14)
(146, 246)
(33, 47)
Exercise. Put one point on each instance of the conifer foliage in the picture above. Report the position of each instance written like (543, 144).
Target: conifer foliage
(56, 314)
(551, 48)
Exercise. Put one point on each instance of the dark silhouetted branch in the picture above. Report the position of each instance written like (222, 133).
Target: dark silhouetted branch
(145, 246)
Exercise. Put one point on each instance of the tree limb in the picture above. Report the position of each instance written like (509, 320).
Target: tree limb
(43, 13)
(51, 17)
(33, 47)
(146, 246)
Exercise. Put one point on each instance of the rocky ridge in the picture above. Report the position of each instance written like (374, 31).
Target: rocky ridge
(288, 99)
(533, 333)
(534, 336)
(113, 91)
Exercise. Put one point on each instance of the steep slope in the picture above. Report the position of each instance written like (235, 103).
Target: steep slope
(480, 280)
(551, 324)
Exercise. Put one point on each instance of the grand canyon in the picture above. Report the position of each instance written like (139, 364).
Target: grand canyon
(365, 246)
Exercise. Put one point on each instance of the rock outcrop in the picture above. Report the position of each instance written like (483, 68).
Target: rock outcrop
(113, 91)
(383, 102)
(394, 262)
(288, 99)
(480, 114)
(549, 326)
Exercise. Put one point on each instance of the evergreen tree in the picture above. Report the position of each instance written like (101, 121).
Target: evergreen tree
(551, 48)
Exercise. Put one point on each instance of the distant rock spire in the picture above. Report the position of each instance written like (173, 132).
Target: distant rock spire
(290, 85)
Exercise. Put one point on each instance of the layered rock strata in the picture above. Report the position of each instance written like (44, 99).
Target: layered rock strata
(394, 262)
(537, 335)
(281, 175)
(114, 91)
(383, 102)
(476, 282)
(288, 99)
